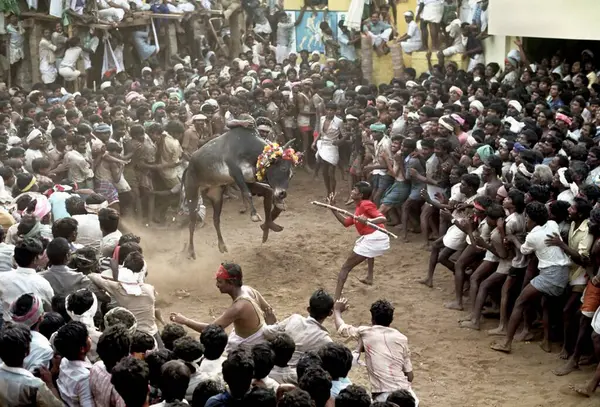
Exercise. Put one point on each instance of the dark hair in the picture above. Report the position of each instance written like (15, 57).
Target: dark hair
(109, 220)
(141, 342)
(134, 262)
(591, 192)
(307, 360)
(58, 251)
(284, 347)
(382, 313)
(50, 323)
(495, 163)
(170, 333)
(584, 207)
(15, 340)
(317, 382)
(336, 360)
(70, 339)
(174, 380)
(75, 205)
(40, 163)
(27, 250)
(539, 193)
(187, 349)
(495, 211)
(295, 398)
(127, 248)
(518, 199)
(214, 339)
(472, 180)
(320, 304)
(537, 212)
(238, 370)
(129, 238)
(364, 188)
(402, 398)
(353, 396)
(155, 360)
(113, 345)
(130, 379)
(64, 227)
(260, 397)
(559, 210)
(205, 390)
(264, 360)
(80, 301)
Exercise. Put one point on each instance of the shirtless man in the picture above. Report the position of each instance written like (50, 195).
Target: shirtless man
(248, 312)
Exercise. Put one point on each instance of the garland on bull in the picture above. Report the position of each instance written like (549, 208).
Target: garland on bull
(271, 153)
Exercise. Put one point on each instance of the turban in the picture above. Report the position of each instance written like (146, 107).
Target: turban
(485, 152)
(457, 118)
(563, 117)
(350, 117)
(411, 84)
(130, 96)
(456, 89)
(32, 316)
(42, 206)
(477, 105)
(175, 95)
(102, 128)
(518, 147)
(35, 133)
(120, 315)
(146, 69)
(105, 85)
(502, 192)
(198, 117)
(378, 127)
(264, 127)
(307, 81)
(382, 99)
(516, 105)
(413, 115)
(239, 90)
(178, 67)
(95, 208)
(157, 105)
(443, 121)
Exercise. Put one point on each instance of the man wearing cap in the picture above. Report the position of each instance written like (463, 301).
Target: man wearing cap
(35, 142)
(248, 313)
(411, 41)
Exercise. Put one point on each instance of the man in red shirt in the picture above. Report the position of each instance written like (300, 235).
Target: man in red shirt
(371, 243)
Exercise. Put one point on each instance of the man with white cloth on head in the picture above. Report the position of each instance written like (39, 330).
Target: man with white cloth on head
(326, 144)
(248, 312)
(411, 41)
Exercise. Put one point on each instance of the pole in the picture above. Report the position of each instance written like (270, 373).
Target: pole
(345, 212)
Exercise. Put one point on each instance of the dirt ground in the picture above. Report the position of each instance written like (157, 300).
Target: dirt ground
(452, 366)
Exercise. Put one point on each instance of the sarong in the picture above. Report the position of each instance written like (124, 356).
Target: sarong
(372, 245)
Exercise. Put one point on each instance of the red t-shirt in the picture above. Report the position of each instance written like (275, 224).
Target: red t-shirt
(368, 209)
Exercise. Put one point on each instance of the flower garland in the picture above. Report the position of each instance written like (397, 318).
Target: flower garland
(271, 153)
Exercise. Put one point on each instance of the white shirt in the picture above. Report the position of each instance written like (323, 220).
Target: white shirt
(31, 155)
(535, 242)
(21, 281)
(109, 242)
(71, 57)
(40, 352)
(413, 31)
(205, 370)
(88, 230)
(74, 383)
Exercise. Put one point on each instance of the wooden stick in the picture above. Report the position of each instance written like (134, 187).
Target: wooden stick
(345, 212)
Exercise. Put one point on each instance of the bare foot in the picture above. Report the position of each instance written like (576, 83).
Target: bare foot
(255, 217)
(454, 305)
(567, 368)
(469, 325)
(582, 391)
(466, 318)
(426, 281)
(500, 347)
(524, 336)
(500, 331)
(272, 226)
(545, 345)
(587, 360)
(366, 281)
(564, 354)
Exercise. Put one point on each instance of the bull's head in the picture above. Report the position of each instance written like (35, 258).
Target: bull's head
(278, 170)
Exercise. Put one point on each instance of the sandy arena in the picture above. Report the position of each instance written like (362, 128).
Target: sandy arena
(452, 366)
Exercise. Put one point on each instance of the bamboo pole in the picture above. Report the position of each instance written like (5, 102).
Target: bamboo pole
(346, 213)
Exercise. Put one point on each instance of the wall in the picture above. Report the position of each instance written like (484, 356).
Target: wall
(570, 19)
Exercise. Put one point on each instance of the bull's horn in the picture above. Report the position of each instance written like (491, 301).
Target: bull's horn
(289, 144)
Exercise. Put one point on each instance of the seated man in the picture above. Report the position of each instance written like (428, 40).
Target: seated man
(247, 313)
(411, 41)
(379, 32)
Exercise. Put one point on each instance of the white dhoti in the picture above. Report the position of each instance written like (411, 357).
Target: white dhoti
(411, 46)
(111, 14)
(328, 152)
(383, 397)
(236, 341)
(48, 71)
(282, 52)
(372, 245)
(377, 39)
(433, 12)
(477, 59)
(69, 74)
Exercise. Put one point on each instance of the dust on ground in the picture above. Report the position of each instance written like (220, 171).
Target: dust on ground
(452, 366)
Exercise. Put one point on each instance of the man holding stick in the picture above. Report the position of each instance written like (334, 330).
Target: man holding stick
(371, 243)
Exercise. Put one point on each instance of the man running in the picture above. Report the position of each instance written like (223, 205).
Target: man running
(248, 312)
(371, 243)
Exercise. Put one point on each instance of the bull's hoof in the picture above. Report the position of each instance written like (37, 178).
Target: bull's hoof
(222, 247)
(265, 234)
(191, 254)
(243, 210)
(272, 226)
(256, 218)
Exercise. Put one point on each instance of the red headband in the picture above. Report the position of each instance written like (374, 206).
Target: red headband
(478, 207)
(223, 274)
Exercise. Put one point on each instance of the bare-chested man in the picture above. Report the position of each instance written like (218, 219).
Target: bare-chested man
(248, 313)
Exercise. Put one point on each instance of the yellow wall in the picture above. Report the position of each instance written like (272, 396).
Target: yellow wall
(569, 19)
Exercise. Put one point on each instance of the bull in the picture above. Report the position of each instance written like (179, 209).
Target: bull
(232, 158)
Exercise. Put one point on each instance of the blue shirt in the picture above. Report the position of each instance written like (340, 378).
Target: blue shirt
(347, 50)
(220, 400)
(57, 201)
(339, 385)
(377, 28)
